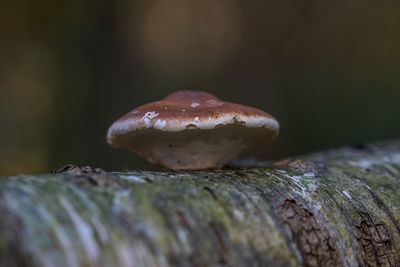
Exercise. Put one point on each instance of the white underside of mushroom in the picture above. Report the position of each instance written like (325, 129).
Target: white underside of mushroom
(192, 148)
(195, 155)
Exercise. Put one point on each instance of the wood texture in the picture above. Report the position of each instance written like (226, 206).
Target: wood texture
(335, 208)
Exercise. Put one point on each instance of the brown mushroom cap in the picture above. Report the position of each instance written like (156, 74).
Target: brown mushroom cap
(191, 130)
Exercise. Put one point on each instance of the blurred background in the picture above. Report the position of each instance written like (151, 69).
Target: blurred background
(328, 70)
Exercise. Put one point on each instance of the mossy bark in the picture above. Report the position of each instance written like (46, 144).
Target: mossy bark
(336, 208)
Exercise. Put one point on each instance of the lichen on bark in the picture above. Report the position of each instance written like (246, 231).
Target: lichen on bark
(334, 208)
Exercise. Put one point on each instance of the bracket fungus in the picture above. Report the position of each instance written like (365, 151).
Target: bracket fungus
(192, 130)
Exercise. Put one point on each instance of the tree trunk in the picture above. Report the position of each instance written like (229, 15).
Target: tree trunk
(335, 208)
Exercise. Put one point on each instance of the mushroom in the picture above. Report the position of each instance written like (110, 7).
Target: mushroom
(192, 130)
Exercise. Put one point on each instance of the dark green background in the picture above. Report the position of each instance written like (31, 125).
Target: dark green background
(328, 70)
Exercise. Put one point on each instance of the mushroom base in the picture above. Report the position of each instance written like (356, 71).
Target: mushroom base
(193, 149)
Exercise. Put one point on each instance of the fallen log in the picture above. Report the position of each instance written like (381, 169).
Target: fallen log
(334, 208)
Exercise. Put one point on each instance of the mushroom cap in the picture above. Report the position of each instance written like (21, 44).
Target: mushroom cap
(191, 121)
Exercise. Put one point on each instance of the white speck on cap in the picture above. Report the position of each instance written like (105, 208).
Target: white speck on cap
(148, 117)
(194, 105)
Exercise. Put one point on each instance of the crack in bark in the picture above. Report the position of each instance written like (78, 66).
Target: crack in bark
(374, 239)
(312, 239)
(372, 235)
(385, 209)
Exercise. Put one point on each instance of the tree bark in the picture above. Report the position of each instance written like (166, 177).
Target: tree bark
(335, 208)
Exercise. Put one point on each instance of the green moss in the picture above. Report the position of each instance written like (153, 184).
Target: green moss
(226, 217)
